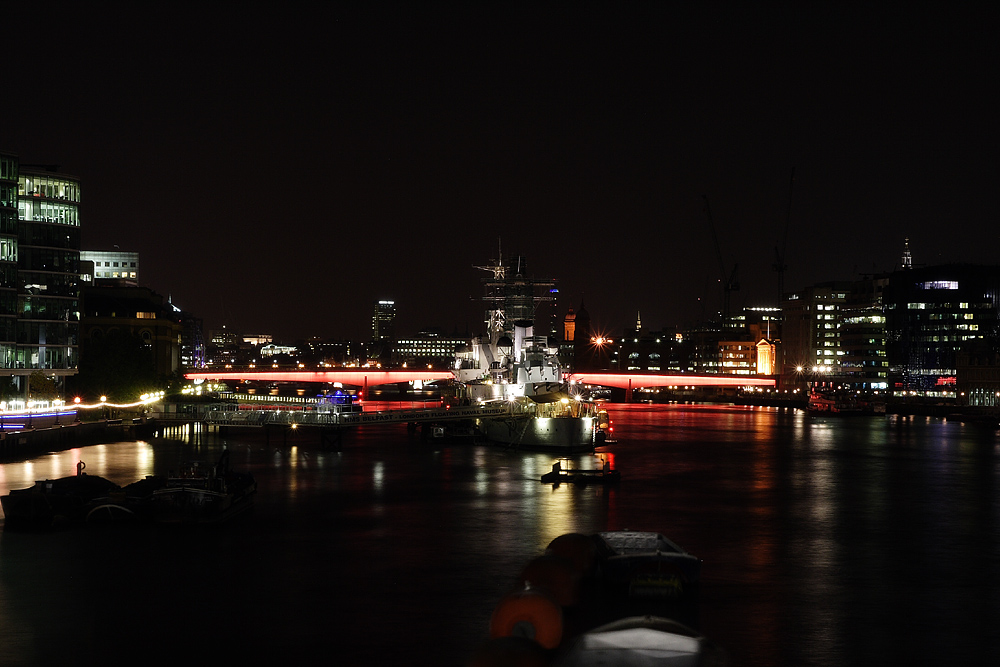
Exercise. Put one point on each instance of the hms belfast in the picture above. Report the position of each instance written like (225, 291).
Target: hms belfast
(511, 364)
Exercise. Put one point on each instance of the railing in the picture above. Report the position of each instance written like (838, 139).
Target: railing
(262, 418)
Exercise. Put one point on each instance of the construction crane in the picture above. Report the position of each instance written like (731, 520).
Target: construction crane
(779, 255)
(730, 281)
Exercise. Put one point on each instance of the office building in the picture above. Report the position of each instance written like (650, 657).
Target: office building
(138, 312)
(864, 362)
(932, 314)
(39, 273)
(644, 350)
(110, 265)
(384, 322)
(8, 261)
(383, 332)
(810, 332)
(428, 347)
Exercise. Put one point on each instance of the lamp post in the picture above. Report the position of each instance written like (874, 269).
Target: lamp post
(104, 405)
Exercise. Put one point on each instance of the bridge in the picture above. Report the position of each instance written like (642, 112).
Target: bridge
(356, 378)
(366, 378)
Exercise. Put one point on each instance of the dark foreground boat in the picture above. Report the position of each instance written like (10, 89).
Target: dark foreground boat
(200, 495)
(611, 598)
(54, 503)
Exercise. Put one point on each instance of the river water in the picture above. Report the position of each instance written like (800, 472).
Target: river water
(860, 541)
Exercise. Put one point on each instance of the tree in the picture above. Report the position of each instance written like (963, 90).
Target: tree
(42, 387)
(9, 389)
(118, 365)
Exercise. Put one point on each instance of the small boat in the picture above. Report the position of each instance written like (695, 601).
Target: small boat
(200, 495)
(54, 503)
(844, 403)
(603, 475)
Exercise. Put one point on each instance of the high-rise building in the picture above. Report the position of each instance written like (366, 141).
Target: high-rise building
(8, 259)
(864, 363)
(39, 271)
(383, 332)
(811, 330)
(384, 321)
(48, 259)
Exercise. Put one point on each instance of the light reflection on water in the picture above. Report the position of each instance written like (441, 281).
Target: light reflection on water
(825, 541)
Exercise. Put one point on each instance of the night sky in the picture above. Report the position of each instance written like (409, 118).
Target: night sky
(281, 169)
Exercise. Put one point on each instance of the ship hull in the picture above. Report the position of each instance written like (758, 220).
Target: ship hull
(567, 434)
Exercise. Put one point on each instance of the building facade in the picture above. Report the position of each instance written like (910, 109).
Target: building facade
(8, 261)
(427, 348)
(111, 265)
(644, 350)
(139, 312)
(383, 332)
(39, 273)
(864, 362)
(932, 314)
(810, 331)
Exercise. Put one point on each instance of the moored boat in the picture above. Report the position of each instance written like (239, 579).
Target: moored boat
(201, 494)
(842, 402)
(54, 503)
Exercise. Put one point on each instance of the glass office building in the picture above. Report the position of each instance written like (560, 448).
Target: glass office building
(39, 271)
(8, 259)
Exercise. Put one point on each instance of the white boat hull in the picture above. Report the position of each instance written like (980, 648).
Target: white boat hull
(553, 433)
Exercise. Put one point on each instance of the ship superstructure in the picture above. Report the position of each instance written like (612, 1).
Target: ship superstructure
(510, 363)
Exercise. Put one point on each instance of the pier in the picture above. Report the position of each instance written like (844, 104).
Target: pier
(328, 425)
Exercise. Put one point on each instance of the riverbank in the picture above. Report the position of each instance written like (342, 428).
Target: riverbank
(16, 445)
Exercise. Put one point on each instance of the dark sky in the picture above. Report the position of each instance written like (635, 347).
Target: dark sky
(280, 172)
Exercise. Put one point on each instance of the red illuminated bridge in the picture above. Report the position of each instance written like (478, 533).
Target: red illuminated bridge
(364, 378)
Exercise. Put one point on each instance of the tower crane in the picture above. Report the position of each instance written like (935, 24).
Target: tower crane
(779, 255)
(730, 281)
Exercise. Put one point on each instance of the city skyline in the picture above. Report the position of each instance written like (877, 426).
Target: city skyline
(277, 174)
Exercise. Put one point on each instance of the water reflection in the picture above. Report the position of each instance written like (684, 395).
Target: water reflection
(825, 541)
